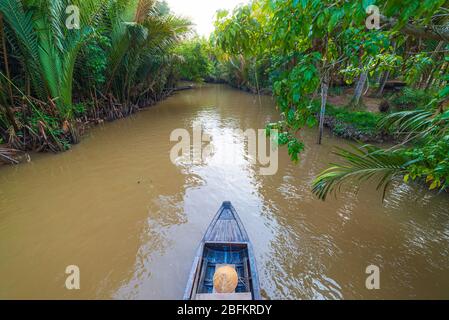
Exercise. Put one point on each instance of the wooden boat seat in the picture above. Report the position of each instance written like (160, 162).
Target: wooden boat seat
(224, 296)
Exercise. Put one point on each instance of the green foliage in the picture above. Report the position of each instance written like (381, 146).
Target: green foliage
(307, 38)
(121, 52)
(292, 90)
(195, 64)
(240, 39)
(239, 32)
(426, 158)
(361, 164)
(142, 42)
(410, 98)
(302, 41)
(364, 121)
(285, 138)
(93, 61)
(416, 65)
(79, 109)
(305, 42)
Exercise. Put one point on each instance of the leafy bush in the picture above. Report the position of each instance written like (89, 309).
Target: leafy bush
(366, 122)
(363, 121)
(195, 65)
(410, 98)
(94, 61)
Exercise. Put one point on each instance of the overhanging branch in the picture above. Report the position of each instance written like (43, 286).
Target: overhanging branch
(439, 33)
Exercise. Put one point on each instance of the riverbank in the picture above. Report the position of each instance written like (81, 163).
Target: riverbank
(105, 109)
(350, 125)
(357, 125)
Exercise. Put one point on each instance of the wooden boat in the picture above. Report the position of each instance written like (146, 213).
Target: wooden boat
(224, 243)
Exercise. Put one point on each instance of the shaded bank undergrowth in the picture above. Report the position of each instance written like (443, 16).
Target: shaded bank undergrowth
(56, 80)
(105, 109)
(355, 125)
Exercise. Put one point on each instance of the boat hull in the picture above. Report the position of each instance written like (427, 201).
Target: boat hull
(225, 243)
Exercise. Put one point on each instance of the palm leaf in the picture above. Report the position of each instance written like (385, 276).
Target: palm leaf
(21, 23)
(418, 124)
(361, 164)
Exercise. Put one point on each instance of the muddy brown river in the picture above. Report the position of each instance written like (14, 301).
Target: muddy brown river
(117, 207)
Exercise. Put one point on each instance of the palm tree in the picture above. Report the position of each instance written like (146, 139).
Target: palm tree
(48, 59)
(48, 49)
(140, 36)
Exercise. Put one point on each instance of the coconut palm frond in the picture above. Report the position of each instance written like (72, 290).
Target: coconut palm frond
(411, 123)
(144, 8)
(418, 124)
(138, 43)
(361, 164)
(20, 22)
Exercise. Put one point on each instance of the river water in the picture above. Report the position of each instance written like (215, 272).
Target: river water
(131, 219)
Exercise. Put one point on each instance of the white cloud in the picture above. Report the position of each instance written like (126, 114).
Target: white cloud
(202, 12)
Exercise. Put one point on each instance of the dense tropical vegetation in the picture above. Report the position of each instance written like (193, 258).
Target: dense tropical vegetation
(129, 53)
(59, 71)
(305, 50)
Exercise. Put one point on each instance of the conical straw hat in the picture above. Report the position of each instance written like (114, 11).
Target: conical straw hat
(225, 279)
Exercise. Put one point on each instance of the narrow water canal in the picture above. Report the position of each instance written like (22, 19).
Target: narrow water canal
(116, 206)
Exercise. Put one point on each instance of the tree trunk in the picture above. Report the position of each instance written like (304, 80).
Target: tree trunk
(384, 80)
(386, 75)
(359, 88)
(379, 78)
(324, 90)
(257, 81)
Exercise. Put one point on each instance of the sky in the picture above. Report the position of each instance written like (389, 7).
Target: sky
(202, 12)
